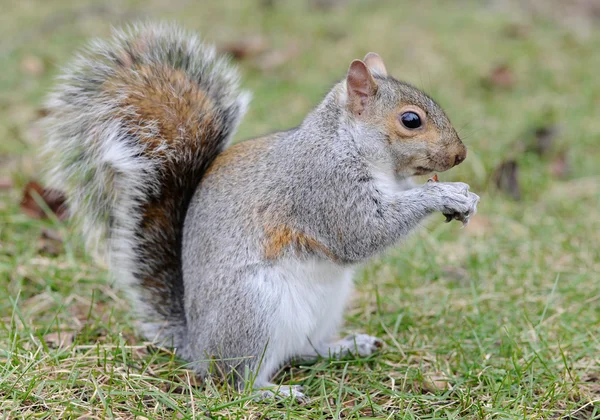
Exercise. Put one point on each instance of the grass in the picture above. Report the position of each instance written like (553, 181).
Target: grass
(498, 320)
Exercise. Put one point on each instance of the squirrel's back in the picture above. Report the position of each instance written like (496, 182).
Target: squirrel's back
(132, 127)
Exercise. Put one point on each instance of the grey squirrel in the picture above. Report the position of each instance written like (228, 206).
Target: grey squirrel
(242, 256)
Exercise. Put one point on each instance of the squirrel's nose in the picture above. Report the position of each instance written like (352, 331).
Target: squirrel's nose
(460, 156)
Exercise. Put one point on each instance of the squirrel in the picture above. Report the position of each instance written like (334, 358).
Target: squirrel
(241, 257)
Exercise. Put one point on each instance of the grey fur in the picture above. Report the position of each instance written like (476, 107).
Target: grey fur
(316, 178)
(337, 178)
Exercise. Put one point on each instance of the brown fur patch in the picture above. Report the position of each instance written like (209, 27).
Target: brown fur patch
(155, 217)
(282, 237)
(248, 149)
(162, 105)
(277, 240)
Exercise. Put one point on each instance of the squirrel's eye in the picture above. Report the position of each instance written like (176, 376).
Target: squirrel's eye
(410, 120)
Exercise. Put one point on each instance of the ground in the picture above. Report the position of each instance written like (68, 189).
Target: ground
(497, 320)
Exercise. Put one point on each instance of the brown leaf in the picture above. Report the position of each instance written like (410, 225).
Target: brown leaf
(32, 65)
(434, 178)
(506, 177)
(246, 48)
(50, 242)
(501, 76)
(544, 139)
(560, 167)
(59, 339)
(54, 199)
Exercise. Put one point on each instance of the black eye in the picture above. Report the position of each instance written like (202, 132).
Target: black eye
(410, 120)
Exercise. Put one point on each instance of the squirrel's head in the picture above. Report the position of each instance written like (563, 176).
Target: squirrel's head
(415, 129)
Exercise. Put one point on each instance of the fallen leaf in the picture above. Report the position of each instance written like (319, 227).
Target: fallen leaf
(32, 65)
(501, 76)
(544, 139)
(246, 48)
(54, 199)
(560, 167)
(59, 339)
(506, 177)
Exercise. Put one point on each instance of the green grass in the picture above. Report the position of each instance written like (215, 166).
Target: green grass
(498, 320)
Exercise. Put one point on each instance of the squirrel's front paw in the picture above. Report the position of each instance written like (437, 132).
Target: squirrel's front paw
(454, 200)
(464, 216)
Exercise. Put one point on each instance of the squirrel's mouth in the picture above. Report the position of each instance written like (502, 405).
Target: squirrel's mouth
(421, 170)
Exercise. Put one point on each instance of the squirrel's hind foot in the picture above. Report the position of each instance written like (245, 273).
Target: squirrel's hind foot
(362, 345)
(281, 392)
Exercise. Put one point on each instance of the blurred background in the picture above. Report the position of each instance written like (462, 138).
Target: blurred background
(512, 299)
(503, 69)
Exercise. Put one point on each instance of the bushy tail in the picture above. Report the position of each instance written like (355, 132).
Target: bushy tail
(132, 127)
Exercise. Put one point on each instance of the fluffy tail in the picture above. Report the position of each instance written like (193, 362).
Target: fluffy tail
(131, 129)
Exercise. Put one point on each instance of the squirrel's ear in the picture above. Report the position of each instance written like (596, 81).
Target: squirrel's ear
(375, 63)
(360, 84)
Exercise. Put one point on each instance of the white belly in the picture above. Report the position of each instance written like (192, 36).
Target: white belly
(310, 297)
